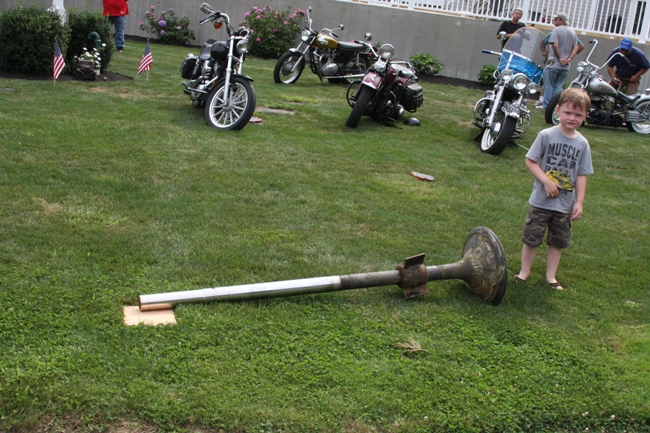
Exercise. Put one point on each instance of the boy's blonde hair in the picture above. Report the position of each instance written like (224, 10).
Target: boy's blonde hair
(576, 97)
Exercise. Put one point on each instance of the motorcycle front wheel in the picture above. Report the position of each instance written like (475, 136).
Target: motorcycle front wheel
(640, 127)
(551, 115)
(288, 68)
(360, 106)
(237, 112)
(496, 138)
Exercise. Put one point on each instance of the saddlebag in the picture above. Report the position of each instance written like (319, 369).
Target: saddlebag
(413, 97)
(188, 70)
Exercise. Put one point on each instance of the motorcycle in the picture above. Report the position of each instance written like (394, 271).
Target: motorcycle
(609, 106)
(387, 90)
(502, 114)
(215, 79)
(328, 58)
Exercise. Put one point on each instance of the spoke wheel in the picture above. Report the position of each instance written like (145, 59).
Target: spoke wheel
(235, 114)
(288, 68)
(360, 106)
(551, 115)
(496, 139)
(641, 127)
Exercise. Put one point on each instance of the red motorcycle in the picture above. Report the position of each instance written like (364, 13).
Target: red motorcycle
(388, 89)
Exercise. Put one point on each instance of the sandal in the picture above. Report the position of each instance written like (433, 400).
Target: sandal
(516, 278)
(556, 285)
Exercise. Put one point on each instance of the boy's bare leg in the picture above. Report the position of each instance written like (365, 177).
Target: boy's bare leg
(527, 257)
(552, 263)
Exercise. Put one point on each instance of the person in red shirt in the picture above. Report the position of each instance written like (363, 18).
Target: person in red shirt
(116, 11)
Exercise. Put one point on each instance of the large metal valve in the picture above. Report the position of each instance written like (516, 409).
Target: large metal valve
(483, 267)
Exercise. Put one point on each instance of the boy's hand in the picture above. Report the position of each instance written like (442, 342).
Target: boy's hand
(552, 189)
(577, 211)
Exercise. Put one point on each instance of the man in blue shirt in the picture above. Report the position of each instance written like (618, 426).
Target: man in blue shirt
(626, 72)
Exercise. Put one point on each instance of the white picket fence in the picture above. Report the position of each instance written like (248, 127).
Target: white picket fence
(617, 18)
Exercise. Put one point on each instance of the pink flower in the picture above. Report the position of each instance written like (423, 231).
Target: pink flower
(276, 30)
(162, 23)
(258, 40)
(141, 23)
(163, 12)
(259, 17)
(286, 23)
(162, 32)
(247, 14)
(292, 17)
(153, 7)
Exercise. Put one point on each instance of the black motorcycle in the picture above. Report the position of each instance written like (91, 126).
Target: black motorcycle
(609, 106)
(328, 58)
(215, 78)
(502, 113)
(388, 89)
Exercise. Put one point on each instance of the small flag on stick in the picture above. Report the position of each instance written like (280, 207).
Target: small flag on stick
(59, 63)
(147, 60)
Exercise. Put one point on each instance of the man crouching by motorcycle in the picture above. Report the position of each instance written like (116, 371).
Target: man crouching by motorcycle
(627, 71)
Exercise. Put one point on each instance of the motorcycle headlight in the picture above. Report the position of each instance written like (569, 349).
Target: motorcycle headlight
(305, 35)
(242, 47)
(386, 51)
(519, 82)
(532, 88)
(581, 66)
(506, 75)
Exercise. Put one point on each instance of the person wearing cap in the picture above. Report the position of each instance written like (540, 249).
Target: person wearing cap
(626, 72)
(563, 47)
(544, 48)
(510, 26)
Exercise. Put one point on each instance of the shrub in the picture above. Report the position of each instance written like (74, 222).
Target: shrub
(167, 27)
(486, 75)
(426, 64)
(82, 24)
(274, 32)
(27, 39)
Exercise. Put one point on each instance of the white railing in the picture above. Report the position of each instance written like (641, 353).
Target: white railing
(622, 18)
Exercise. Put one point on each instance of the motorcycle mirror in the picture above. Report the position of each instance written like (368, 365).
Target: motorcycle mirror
(309, 9)
(342, 27)
(206, 8)
(368, 36)
(502, 35)
(412, 121)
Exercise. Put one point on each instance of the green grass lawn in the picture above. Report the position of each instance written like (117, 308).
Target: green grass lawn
(112, 190)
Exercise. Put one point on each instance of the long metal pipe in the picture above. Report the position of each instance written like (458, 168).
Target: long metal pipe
(483, 268)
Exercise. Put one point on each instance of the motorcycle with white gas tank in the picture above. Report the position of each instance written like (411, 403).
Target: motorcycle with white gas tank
(502, 114)
(609, 106)
(329, 58)
(215, 79)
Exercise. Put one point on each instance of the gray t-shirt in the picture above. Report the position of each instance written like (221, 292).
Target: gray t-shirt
(566, 38)
(553, 150)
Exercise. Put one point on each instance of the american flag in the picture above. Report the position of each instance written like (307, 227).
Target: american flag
(147, 60)
(59, 63)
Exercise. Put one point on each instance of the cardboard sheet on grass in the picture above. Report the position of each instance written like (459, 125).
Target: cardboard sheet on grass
(133, 317)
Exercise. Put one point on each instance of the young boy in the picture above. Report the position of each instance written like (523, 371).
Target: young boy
(563, 154)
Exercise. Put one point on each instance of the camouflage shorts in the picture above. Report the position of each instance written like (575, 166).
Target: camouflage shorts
(539, 220)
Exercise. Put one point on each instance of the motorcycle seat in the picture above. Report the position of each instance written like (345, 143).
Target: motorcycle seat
(205, 51)
(350, 46)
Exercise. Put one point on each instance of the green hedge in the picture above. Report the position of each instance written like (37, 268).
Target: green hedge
(27, 39)
(82, 24)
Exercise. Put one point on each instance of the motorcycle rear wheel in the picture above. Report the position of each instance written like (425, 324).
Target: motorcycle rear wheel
(284, 72)
(354, 66)
(640, 127)
(360, 106)
(494, 142)
(550, 114)
(241, 104)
